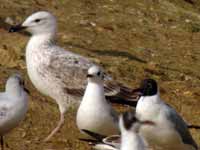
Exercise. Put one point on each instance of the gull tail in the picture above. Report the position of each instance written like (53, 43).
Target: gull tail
(90, 141)
(94, 135)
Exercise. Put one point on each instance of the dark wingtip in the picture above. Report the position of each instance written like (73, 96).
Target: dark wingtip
(96, 136)
(89, 141)
(194, 126)
(27, 91)
(89, 76)
(121, 101)
(16, 28)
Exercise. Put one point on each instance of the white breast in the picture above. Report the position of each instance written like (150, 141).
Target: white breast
(94, 113)
(163, 133)
(35, 60)
(132, 141)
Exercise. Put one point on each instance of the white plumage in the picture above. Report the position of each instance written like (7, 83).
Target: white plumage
(13, 104)
(170, 131)
(95, 113)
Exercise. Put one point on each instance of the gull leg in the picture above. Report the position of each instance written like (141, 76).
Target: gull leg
(59, 125)
(2, 143)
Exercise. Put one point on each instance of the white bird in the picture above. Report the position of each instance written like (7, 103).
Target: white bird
(130, 138)
(54, 71)
(13, 105)
(95, 113)
(170, 131)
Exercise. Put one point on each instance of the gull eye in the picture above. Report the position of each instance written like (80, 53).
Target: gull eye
(37, 20)
(149, 85)
(21, 82)
(98, 73)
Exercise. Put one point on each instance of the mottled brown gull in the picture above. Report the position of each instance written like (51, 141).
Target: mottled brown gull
(54, 71)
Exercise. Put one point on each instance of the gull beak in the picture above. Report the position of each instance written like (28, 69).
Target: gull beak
(147, 122)
(137, 91)
(89, 76)
(16, 28)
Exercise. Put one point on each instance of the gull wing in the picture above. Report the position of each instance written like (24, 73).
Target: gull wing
(5, 109)
(181, 127)
(70, 70)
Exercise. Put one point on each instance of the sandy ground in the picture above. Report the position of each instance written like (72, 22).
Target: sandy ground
(130, 39)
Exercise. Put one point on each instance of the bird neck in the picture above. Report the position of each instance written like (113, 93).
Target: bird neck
(151, 99)
(41, 40)
(94, 91)
(14, 90)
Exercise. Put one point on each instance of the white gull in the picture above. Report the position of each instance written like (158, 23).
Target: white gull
(95, 113)
(170, 131)
(13, 105)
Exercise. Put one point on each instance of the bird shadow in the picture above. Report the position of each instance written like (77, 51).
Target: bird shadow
(119, 53)
(106, 52)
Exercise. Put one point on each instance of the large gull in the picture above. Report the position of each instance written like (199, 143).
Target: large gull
(54, 71)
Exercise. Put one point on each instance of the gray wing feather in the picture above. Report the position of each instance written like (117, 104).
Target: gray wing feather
(3, 112)
(181, 127)
(70, 71)
(66, 69)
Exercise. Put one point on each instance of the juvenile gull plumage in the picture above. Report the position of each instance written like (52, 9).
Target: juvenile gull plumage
(95, 113)
(13, 105)
(56, 72)
(170, 132)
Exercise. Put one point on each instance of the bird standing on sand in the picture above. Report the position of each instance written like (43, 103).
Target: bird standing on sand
(13, 105)
(95, 113)
(170, 131)
(54, 71)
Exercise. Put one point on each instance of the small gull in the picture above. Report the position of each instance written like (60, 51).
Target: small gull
(13, 105)
(170, 132)
(130, 127)
(130, 138)
(54, 71)
(95, 113)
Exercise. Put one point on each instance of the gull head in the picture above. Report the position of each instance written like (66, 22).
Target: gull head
(129, 122)
(38, 23)
(14, 83)
(148, 87)
(95, 74)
